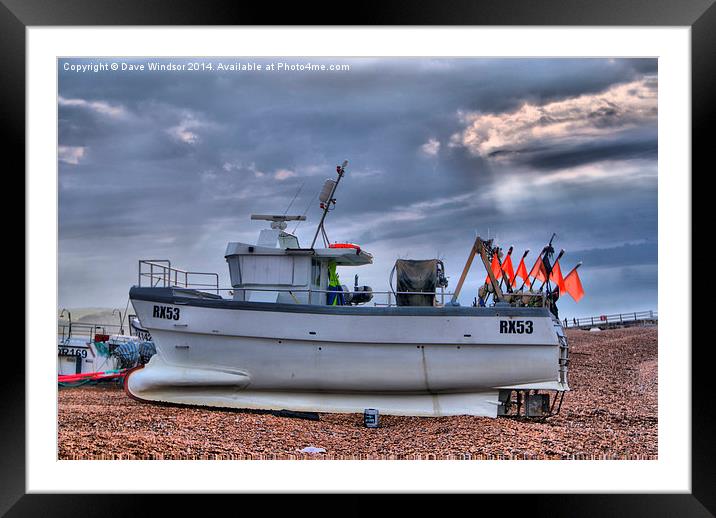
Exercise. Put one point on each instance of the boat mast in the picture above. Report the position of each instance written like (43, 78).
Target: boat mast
(340, 170)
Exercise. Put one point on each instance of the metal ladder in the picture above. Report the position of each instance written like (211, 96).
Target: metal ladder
(563, 354)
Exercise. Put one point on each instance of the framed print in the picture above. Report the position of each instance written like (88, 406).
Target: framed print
(412, 153)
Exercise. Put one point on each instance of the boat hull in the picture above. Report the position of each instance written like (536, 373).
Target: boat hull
(403, 361)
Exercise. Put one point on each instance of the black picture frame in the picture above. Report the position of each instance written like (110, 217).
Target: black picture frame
(700, 15)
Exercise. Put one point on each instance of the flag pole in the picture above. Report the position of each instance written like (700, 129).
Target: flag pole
(509, 282)
(575, 267)
(561, 253)
(532, 282)
(495, 251)
(544, 255)
(523, 258)
(572, 271)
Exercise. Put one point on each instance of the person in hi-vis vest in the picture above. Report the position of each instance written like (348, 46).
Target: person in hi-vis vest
(334, 285)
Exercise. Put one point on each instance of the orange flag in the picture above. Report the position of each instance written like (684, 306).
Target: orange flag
(495, 267)
(556, 277)
(538, 271)
(573, 285)
(521, 272)
(507, 268)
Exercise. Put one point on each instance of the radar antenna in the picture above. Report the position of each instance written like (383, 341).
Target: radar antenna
(277, 221)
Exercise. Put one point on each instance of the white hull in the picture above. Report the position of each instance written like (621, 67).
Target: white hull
(80, 356)
(403, 361)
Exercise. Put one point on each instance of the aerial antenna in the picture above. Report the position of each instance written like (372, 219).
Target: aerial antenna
(304, 214)
(294, 198)
(326, 198)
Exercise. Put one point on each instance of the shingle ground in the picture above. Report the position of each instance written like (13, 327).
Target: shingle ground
(610, 413)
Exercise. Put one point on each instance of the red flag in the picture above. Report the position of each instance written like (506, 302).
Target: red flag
(521, 272)
(507, 268)
(538, 270)
(573, 285)
(556, 277)
(495, 267)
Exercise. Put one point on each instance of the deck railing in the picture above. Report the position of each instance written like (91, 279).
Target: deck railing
(159, 272)
(442, 296)
(87, 330)
(84, 330)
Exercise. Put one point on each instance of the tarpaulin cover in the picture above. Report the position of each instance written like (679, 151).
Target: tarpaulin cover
(131, 354)
(416, 276)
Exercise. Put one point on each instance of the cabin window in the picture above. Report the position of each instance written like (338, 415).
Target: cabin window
(315, 272)
(266, 269)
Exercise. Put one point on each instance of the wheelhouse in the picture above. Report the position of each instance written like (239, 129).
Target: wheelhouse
(276, 269)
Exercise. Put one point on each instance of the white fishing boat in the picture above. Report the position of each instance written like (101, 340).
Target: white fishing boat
(288, 337)
(84, 347)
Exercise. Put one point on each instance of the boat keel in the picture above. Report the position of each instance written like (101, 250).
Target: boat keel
(213, 388)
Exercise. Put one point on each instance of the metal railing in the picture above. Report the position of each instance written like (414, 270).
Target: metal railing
(389, 294)
(311, 291)
(83, 330)
(614, 319)
(160, 272)
(88, 330)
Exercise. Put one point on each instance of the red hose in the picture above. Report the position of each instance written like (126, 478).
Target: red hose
(92, 376)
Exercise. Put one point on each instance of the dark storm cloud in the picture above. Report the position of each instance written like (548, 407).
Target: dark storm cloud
(624, 255)
(626, 146)
(173, 163)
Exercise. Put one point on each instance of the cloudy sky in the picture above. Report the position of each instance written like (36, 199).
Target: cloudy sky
(170, 164)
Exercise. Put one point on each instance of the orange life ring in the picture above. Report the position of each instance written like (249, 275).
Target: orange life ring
(344, 245)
